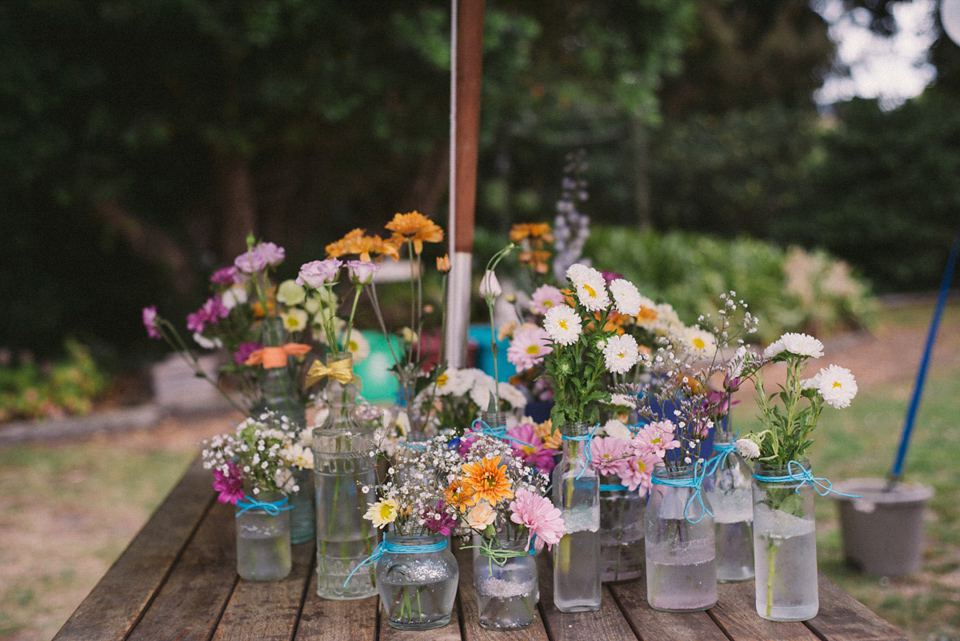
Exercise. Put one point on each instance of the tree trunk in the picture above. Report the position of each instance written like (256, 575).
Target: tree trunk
(237, 204)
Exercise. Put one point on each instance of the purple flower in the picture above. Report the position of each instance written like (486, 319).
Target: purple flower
(250, 261)
(211, 312)
(150, 322)
(197, 320)
(319, 273)
(243, 352)
(229, 485)
(226, 276)
(362, 271)
(529, 448)
(272, 253)
(609, 276)
(437, 520)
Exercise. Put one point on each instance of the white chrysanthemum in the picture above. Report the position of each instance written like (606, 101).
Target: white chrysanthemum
(512, 395)
(295, 320)
(747, 448)
(359, 346)
(797, 344)
(617, 429)
(623, 400)
(620, 353)
(667, 321)
(837, 385)
(590, 286)
(562, 324)
(626, 297)
(699, 343)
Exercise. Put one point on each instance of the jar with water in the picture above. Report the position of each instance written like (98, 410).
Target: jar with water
(728, 487)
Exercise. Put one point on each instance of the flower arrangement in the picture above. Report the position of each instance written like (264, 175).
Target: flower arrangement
(630, 456)
(254, 459)
(457, 396)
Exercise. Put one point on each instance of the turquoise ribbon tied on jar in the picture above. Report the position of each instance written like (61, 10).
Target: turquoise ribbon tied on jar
(695, 482)
(273, 508)
(588, 437)
(720, 453)
(499, 431)
(388, 547)
(797, 473)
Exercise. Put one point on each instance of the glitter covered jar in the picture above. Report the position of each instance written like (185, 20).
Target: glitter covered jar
(507, 587)
(417, 580)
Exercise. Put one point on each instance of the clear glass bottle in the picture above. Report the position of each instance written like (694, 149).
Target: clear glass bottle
(784, 544)
(576, 558)
(507, 595)
(343, 465)
(729, 488)
(680, 552)
(621, 531)
(417, 579)
(263, 540)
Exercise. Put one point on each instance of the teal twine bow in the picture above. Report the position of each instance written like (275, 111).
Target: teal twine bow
(500, 431)
(821, 486)
(589, 439)
(696, 482)
(388, 547)
(274, 508)
(720, 453)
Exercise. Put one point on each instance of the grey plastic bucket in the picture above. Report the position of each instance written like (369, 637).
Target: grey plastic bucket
(882, 531)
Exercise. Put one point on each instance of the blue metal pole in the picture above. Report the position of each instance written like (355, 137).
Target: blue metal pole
(896, 472)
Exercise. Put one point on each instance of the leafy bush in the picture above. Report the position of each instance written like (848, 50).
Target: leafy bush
(29, 389)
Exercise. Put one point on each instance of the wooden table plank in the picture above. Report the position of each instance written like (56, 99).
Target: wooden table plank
(336, 620)
(843, 618)
(471, 617)
(606, 623)
(736, 613)
(652, 625)
(190, 603)
(113, 607)
(268, 611)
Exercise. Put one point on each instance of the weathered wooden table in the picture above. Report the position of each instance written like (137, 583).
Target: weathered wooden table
(177, 580)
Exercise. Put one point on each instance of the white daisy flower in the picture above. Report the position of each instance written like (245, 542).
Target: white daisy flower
(700, 343)
(295, 320)
(747, 448)
(235, 295)
(617, 429)
(623, 400)
(359, 346)
(620, 353)
(590, 286)
(797, 344)
(626, 297)
(562, 324)
(837, 386)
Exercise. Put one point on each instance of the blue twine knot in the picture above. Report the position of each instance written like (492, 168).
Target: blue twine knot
(694, 481)
(389, 547)
(500, 432)
(273, 508)
(720, 453)
(588, 438)
(796, 472)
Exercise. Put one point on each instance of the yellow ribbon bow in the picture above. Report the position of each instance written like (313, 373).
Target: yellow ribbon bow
(341, 371)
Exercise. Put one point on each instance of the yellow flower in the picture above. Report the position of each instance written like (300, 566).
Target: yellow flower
(417, 228)
(487, 479)
(382, 512)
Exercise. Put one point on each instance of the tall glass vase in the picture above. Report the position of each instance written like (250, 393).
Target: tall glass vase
(621, 531)
(576, 558)
(279, 394)
(263, 537)
(680, 553)
(785, 543)
(343, 465)
(729, 489)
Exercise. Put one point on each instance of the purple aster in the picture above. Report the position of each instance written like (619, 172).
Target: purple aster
(150, 322)
(436, 519)
(229, 485)
(243, 352)
(226, 276)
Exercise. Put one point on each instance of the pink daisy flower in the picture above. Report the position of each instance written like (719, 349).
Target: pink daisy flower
(656, 438)
(528, 347)
(530, 448)
(638, 473)
(542, 520)
(609, 455)
(545, 297)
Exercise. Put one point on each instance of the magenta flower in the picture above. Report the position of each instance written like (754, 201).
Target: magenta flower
(211, 312)
(609, 455)
(544, 298)
(437, 520)
(226, 276)
(529, 448)
(362, 271)
(243, 352)
(528, 347)
(229, 485)
(541, 518)
(150, 322)
(319, 273)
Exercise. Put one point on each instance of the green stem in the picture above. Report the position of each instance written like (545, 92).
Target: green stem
(771, 572)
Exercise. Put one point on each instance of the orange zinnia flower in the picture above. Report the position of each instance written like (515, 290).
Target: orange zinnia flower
(458, 495)
(417, 228)
(522, 231)
(341, 247)
(487, 479)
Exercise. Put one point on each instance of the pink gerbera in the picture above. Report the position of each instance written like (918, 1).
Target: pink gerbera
(638, 472)
(545, 297)
(544, 522)
(529, 448)
(528, 347)
(609, 455)
(229, 485)
(656, 438)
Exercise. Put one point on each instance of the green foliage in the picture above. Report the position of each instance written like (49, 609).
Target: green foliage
(31, 390)
(691, 271)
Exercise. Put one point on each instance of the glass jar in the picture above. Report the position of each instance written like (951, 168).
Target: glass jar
(621, 531)
(343, 466)
(507, 593)
(417, 581)
(728, 488)
(784, 542)
(576, 557)
(680, 553)
(263, 537)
